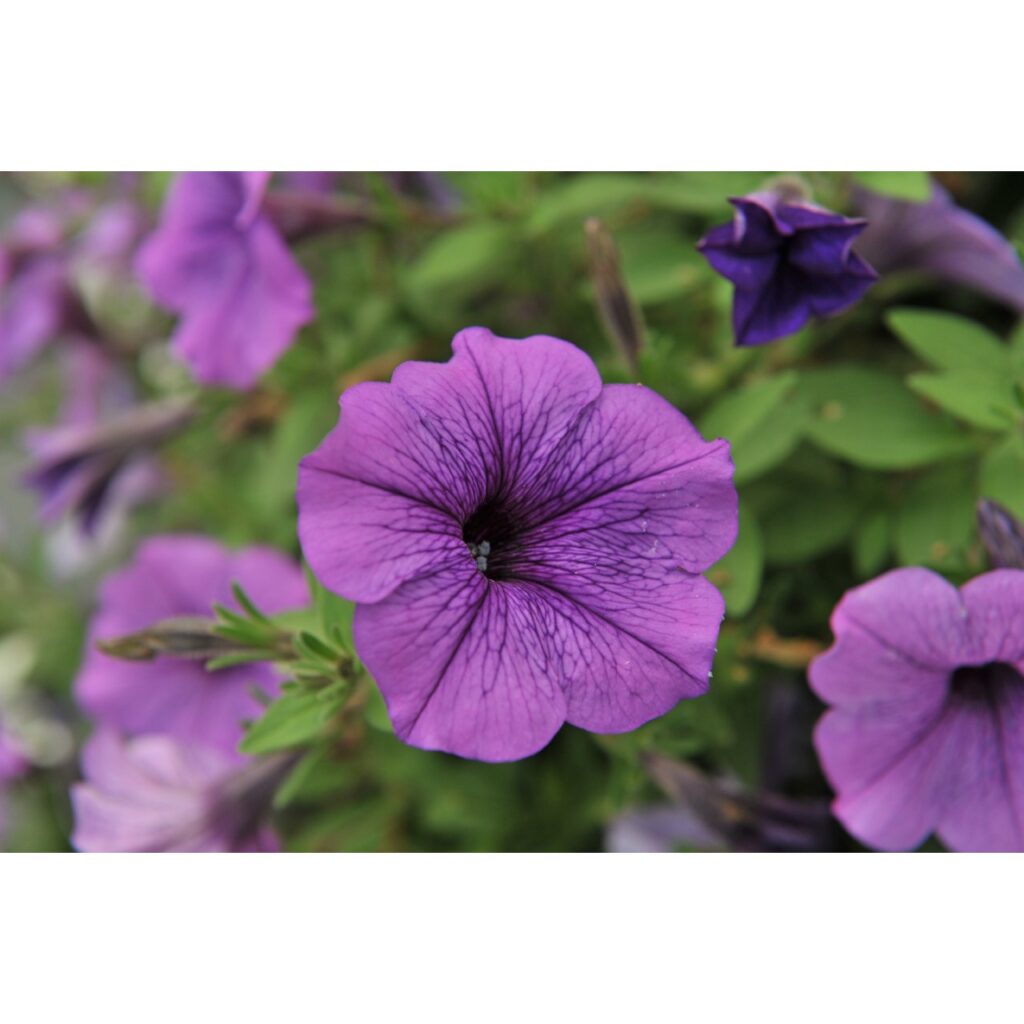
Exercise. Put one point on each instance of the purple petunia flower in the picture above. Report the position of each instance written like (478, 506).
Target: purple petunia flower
(219, 263)
(789, 261)
(940, 238)
(926, 730)
(524, 545)
(180, 576)
(154, 794)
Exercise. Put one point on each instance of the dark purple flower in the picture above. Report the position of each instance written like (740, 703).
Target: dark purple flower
(219, 262)
(926, 730)
(940, 238)
(176, 577)
(525, 545)
(154, 794)
(789, 261)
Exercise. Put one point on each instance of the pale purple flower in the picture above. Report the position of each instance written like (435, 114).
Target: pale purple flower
(219, 263)
(940, 238)
(154, 794)
(926, 728)
(180, 576)
(789, 261)
(524, 544)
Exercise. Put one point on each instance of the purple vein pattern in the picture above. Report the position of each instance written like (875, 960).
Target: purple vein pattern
(926, 730)
(524, 545)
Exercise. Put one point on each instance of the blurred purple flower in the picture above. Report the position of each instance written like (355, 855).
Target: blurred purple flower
(154, 794)
(525, 545)
(179, 576)
(36, 301)
(91, 463)
(717, 814)
(218, 262)
(926, 730)
(940, 238)
(789, 261)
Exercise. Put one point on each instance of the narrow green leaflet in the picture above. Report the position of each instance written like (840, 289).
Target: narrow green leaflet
(293, 720)
(761, 422)
(870, 419)
(948, 342)
(911, 186)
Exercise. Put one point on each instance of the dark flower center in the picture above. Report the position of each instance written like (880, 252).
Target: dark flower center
(983, 682)
(492, 535)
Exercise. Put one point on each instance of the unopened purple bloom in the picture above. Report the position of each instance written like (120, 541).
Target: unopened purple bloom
(154, 794)
(219, 263)
(926, 729)
(789, 261)
(940, 238)
(524, 544)
(180, 576)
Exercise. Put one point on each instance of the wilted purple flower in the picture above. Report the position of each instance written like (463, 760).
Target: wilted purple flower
(154, 794)
(940, 238)
(91, 462)
(926, 730)
(173, 577)
(525, 545)
(717, 814)
(789, 261)
(219, 262)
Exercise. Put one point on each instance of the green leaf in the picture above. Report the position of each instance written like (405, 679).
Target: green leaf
(911, 186)
(1002, 475)
(761, 422)
(659, 263)
(935, 520)
(869, 418)
(738, 574)
(948, 342)
(292, 720)
(465, 258)
(808, 525)
(333, 613)
(978, 397)
(871, 544)
(245, 602)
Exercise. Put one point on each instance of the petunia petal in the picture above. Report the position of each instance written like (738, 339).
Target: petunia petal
(893, 773)
(995, 617)
(986, 808)
(469, 666)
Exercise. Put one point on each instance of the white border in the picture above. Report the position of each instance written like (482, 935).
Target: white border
(476, 938)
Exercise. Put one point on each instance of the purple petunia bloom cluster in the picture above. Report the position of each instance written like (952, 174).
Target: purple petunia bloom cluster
(524, 545)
